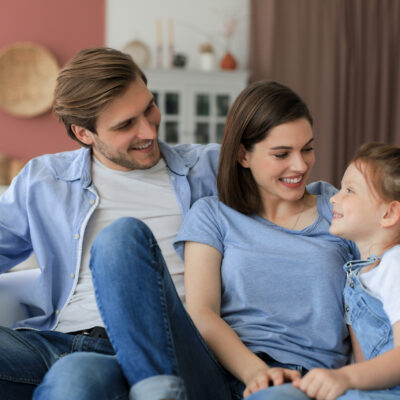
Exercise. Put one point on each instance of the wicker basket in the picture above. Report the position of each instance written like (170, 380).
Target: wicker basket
(28, 74)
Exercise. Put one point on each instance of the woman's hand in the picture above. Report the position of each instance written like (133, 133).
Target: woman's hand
(269, 377)
(324, 384)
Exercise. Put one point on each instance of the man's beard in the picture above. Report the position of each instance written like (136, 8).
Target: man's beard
(123, 160)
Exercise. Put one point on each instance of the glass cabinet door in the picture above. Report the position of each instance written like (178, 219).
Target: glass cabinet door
(210, 110)
(169, 104)
(194, 104)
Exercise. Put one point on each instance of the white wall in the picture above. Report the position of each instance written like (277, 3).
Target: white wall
(194, 22)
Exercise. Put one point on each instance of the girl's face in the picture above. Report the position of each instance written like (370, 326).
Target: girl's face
(282, 162)
(357, 210)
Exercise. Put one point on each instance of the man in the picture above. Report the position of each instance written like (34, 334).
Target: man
(59, 203)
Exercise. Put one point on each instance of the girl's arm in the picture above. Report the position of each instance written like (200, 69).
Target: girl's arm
(381, 372)
(203, 301)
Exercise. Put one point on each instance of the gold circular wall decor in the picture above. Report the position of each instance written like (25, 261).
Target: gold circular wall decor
(139, 52)
(28, 73)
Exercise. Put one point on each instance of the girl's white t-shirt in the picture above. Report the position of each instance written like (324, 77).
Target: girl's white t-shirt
(384, 282)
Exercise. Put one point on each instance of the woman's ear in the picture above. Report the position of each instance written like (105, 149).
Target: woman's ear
(242, 156)
(392, 214)
(82, 134)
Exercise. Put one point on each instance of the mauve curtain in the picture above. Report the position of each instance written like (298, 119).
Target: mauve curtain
(343, 58)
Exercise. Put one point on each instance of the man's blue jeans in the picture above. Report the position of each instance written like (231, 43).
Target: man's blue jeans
(156, 343)
(73, 367)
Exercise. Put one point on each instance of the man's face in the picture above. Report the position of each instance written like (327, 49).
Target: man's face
(127, 131)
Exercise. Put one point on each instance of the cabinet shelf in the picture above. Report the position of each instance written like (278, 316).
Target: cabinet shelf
(194, 104)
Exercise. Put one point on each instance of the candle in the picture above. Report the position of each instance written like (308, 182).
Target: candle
(158, 33)
(171, 32)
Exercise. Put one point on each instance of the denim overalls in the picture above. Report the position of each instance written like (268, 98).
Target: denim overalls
(365, 313)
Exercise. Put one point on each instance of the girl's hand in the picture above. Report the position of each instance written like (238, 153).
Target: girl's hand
(324, 384)
(269, 377)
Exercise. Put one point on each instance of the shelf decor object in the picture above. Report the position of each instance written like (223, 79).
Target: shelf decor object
(28, 73)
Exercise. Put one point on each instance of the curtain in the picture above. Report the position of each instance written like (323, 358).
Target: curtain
(343, 58)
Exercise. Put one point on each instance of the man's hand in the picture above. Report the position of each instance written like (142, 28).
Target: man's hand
(324, 384)
(269, 377)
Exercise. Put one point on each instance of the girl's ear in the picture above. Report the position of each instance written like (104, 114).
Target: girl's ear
(242, 156)
(82, 134)
(392, 214)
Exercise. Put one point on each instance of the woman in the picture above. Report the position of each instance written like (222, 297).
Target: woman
(264, 277)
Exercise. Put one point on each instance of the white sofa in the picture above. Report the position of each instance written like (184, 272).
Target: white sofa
(12, 284)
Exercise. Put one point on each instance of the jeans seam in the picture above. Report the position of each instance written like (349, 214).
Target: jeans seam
(20, 380)
(167, 325)
(28, 345)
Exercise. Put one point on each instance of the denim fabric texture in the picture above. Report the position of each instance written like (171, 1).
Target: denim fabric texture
(147, 323)
(159, 387)
(82, 367)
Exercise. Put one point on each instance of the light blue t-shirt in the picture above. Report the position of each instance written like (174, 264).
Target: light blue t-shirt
(282, 290)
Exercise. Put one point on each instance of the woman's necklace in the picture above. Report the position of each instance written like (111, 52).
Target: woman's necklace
(300, 214)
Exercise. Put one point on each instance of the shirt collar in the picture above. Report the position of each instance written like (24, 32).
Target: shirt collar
(80, 167)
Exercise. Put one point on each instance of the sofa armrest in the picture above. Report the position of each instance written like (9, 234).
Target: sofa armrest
(11, 284)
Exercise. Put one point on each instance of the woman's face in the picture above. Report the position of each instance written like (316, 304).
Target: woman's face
(282, 162)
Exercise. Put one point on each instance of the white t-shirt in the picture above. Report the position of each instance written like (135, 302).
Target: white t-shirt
(384, 282)
(144, 194)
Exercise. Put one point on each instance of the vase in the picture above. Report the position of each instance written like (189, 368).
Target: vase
(207, 61)
(228, 61)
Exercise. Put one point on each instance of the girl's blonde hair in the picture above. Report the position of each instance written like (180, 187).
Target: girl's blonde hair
(380, 165)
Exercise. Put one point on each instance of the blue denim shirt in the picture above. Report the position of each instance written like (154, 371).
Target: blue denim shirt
(47, 208)
(365, 313)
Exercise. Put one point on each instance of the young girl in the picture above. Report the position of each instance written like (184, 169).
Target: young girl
(367, 211)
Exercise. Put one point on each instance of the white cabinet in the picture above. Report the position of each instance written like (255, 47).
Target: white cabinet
(194, 104)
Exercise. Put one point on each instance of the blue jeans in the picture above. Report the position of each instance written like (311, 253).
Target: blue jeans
(156, 343)
(288, 392)
(73, 367)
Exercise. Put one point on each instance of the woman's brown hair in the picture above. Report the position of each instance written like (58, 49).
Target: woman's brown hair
(260, 107)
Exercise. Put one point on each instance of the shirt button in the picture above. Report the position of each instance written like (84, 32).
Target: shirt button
(57, 311)
(351, 284)
(72, 275)
(347, 308)
(77, 236)
(91, 201)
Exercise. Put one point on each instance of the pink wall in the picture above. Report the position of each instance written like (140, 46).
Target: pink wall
(64, 27)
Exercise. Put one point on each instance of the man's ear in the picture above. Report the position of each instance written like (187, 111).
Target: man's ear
(242, 156)
(82, 134)
(392, 214)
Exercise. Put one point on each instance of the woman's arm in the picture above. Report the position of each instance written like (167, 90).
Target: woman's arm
(203, 301)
